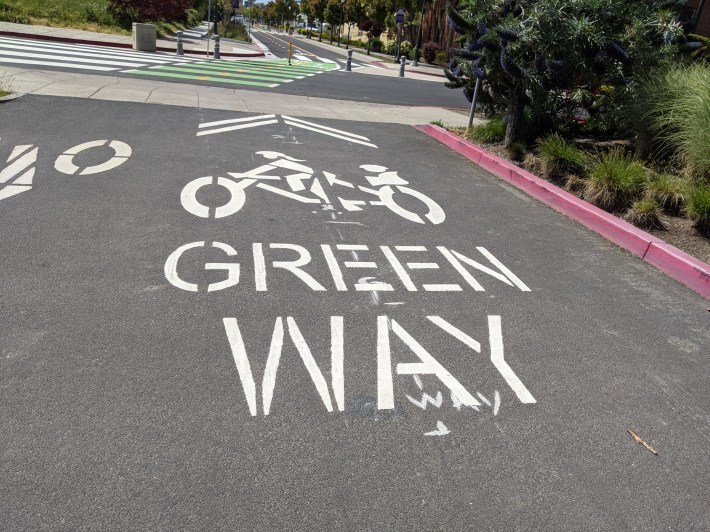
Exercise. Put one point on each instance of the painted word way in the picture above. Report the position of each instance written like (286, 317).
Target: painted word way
(388, 330)
(299, 262)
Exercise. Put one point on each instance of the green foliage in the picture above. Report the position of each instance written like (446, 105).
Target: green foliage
(490, 132)
(437, 123)
(675, 108)
(615, 179)
(645, 213)
(668, 191)
(698, 208)
(559, 157)
(440, 58)
(82, 14)
(375, 45)
(557, 54)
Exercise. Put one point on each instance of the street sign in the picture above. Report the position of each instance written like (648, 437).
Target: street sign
(399, 16)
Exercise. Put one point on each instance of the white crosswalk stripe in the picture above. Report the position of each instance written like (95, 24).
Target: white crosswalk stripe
(79, 56)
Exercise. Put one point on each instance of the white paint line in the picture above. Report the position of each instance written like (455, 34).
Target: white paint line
(410, 248)
(482, 268)
(324, 127)
(496, 403)
(12, 190)
(483, 398)
(234, 121)
(18, 150)
(91, 55)
(234, 128)
(334, 268)
(26, 178)
(422, 266)
(509, 274)
(259, 267)
(20, 164)
(360, 264)
(352, 247)
(442, 287)
(495, 335)
(385, 390)
(75, 60)
(337, 369)
(310, 363)
(417, 381)
(241, 361)
(302, 126)
(429, 366)
(378, 286)
(395, 303)
(399, 269)
(459, 268)
(348, 223)
(455, 332)
(272, 365)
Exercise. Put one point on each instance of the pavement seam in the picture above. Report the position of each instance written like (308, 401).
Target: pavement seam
(675, 263)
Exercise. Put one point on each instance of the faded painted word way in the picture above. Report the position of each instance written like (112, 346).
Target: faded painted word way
(387, 328)
(436, 269)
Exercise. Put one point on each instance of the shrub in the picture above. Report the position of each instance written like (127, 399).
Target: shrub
(645, 213)
(440, 58)
(152, 9)
(559, 157)
(375, 45)
(575, 183)
(516, 151)
(391, 47)
(437, 123)
(668, 191)
(614, 180)
(429, 51)
(698, 208)
(405, 47)
(678, 111)
(492, 131)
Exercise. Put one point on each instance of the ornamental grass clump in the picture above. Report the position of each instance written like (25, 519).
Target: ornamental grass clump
(668, 191)
(559, 157)
(615, 180)
(490, 132)
(698, 208)
(645, 213)
(679, 113)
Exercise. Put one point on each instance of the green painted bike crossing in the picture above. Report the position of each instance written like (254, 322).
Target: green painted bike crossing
(260, 73)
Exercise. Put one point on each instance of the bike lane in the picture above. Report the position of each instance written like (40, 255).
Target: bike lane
(220, 320)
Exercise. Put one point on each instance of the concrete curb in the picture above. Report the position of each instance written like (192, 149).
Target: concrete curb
(675, 263)
(54, 38)
(10, 97)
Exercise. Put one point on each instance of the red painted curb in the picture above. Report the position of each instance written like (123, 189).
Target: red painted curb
(112, 44)
(675, 263)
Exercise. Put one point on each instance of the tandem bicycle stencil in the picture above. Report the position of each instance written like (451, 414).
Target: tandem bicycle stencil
(288, 177)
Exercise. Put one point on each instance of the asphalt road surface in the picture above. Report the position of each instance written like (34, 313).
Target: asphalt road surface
(201, 331)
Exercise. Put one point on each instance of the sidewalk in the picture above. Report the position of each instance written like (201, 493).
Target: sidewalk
(229, 48)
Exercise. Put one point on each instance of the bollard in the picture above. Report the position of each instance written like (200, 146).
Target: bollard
(348, 65)
(216, 47)
(179, 50)
(290, 51)
(401, 66)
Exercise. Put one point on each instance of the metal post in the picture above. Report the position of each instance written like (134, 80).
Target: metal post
(348, 65)
(401, 66)
(209, 10)
(216, 47)
(290, 51)
(342, 3)
(419, 36)
(179, 50)
(473, 102)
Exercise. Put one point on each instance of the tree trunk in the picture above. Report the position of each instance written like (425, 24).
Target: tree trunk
(516, 104)
(320, 37)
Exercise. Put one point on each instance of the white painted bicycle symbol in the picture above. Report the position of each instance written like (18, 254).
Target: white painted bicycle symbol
(303, 184)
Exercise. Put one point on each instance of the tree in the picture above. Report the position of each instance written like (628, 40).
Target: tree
(319, 12)
(151, 9)
(332, 16)
(354, 13)
(555, 55)
(374, 20)
(308, 11)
